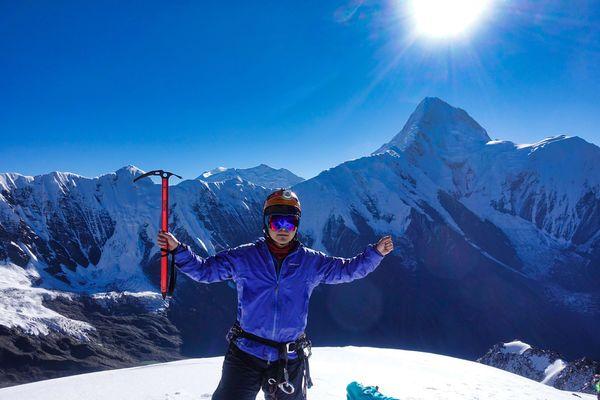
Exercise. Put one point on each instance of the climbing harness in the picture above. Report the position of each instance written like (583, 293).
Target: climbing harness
(301, 346)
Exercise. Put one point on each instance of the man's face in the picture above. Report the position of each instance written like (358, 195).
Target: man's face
(282, 236)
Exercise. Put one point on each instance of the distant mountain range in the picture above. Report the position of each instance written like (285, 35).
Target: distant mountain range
(262, 175)
(494, 240)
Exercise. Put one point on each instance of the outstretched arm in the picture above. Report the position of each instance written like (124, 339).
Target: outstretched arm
(217, 268)
(332, 270)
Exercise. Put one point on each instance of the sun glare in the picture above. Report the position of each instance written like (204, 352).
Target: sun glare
(446, 18)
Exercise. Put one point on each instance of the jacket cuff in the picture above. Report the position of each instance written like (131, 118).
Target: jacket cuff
(178, 249)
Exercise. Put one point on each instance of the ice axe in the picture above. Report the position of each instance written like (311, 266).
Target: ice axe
(164, 223)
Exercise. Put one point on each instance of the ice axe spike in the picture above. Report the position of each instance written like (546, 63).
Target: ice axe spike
(164, 226)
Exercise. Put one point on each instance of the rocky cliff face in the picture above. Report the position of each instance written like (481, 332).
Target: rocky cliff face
(544, 366)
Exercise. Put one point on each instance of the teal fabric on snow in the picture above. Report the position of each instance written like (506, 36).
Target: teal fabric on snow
(356, 391)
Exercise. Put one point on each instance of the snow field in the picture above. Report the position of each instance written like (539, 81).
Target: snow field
(399, 373)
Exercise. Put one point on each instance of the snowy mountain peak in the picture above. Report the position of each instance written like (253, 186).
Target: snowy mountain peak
(514, 347)
(440, 127)
(129, 170)
(12, 179)
(208, 174)
(563, 146)
(261, 175)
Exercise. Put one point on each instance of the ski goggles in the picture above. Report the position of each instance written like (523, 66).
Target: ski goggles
(280, 221)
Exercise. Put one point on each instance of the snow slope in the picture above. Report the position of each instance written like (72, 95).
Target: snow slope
(398, 373)
(22, 305)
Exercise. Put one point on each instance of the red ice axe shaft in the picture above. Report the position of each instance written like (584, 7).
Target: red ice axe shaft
(164, 222)
(164, 226)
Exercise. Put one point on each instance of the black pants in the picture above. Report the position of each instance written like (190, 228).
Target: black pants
(243, 376)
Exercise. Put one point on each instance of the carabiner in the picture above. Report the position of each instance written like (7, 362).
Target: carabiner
(285, 387)
(289, 385)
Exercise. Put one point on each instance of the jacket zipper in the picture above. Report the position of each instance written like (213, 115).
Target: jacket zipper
(278, 275)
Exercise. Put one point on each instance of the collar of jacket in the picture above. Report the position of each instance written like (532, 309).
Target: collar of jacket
(262, 243)
(281, 252)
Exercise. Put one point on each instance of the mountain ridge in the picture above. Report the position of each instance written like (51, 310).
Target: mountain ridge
(488, 232)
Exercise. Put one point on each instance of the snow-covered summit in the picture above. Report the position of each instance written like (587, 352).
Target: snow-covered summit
(399, 374)
(440, 140)
(437, 127)
(129, 170)
(208, 174)
(515, 347)
(13, 179)
(261, 175)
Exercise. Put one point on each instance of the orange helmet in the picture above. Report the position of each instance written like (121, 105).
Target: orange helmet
(282, 201)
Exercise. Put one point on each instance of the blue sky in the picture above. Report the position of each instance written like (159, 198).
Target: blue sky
(89, 87)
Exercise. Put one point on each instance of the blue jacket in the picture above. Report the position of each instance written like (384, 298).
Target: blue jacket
(271, 305)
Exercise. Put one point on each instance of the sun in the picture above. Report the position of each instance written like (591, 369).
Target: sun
(446, 18)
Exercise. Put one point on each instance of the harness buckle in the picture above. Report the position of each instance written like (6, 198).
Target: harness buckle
(288, 347)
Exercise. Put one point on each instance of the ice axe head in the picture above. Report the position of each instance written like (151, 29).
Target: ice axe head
(157, 172)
